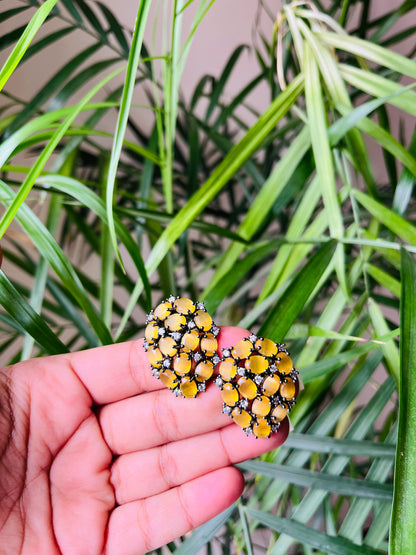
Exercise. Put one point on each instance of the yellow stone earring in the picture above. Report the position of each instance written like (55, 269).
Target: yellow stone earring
(181, 343)
(258, 384)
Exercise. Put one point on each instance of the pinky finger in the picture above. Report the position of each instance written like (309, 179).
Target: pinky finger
(141, 526)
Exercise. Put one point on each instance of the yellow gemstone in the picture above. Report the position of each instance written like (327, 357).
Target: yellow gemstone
(168, 346)
(241, 417)
(266, 347)
(174, 322)
(288, 389)
(228, 369)
(182, 364)
(209, 344)
(163, 310)
(271, 385)
(184, 306)
(256, 364)
(155, 357)
(261, 406)
(204, 371)
(191, 340)
(229, 394)
(151, 332)
(203, 320)
(242, 349)
(168, 378)
(262, 428)
(284, 365)
(278, 413)
(188, 387)
(247, 388)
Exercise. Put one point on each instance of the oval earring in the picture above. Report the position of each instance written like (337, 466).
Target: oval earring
(181, 343)
(258, 384)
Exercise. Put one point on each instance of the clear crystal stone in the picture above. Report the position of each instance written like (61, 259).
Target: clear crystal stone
(176, 336)
(219, 381)
(201, 387)
(241, 371)
(253, 338)
(226, 410)
(172, 298)
(258, 379)
(243, 403)
(150, 317)
(166, 363)
(200, 306)
(161, 331)
(191, 324)
(216, 359)
(197, 357)
(226, 352)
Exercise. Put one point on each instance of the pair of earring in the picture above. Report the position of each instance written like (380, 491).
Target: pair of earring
(256, 376)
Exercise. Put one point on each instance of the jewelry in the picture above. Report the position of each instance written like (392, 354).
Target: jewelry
(258, 384)
(180, 340)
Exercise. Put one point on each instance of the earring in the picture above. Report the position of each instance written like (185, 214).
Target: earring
(258, 384)
(181, 343)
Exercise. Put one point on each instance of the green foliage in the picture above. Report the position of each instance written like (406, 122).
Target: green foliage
(285, 221)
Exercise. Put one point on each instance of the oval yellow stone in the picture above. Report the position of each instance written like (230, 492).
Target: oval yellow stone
(266, 347)
(209, 344)
(247, 388)
(241, 417)
(168, 346)
(256, 364)
(184, 305)
(271, 385)
(261, 406)
(262, 428)
(203, 320)
(229, 394)
(190, 340)
(163, 310)
(204, 371)
(227, 369)
(151, 332)
(155, 357)
(288, 389)
(242, 349)
(168, 378)
(278, 413)
(182, 364)
(188, 387)
(174, 322)
(284, 365)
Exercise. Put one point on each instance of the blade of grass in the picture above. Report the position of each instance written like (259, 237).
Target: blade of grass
(402, 537)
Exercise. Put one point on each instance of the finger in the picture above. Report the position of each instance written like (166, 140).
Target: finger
(159, 417)
(81, 494)
(115, 372)
(141, 526)
(147, 473)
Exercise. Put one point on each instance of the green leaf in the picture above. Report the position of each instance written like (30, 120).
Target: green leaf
(24, 41)
(21, 311)
(346, 447)
(323, 158)
(389, 348)
(371, 51)
(319, 480)
(129, 83)
(402, 536)
(284, 313)
(387, 217)
(309, 536)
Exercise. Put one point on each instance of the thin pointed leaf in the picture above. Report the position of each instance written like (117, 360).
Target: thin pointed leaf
(402, 536)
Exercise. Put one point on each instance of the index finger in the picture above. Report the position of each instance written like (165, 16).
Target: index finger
(115, 372)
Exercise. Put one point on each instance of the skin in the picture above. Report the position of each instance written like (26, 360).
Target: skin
(96, 457)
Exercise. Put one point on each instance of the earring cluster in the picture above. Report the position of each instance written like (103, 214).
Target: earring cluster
(256, 376)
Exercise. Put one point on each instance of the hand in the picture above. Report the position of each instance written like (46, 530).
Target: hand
(97, 457)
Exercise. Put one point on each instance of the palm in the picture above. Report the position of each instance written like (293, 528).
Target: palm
(104, 461)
